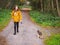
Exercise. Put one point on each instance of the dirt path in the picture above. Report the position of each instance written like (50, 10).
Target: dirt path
(27, 33)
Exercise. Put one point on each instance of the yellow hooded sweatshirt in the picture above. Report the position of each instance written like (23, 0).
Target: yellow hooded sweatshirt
(16, 16)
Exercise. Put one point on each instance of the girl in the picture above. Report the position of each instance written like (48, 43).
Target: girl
(17, 17)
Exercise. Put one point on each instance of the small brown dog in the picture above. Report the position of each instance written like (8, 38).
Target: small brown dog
(39, 34)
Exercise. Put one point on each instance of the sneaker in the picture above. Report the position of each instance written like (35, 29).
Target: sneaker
(14, 33)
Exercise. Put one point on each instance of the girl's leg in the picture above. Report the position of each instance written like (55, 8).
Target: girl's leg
(14, 28)
(17, 26)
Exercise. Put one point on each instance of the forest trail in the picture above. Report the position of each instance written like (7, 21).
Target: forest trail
(27, 33)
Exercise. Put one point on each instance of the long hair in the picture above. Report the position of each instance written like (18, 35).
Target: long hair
(15, 7)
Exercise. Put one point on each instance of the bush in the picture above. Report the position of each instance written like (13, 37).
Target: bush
(53, 40)
(4, 17)
(45, 19)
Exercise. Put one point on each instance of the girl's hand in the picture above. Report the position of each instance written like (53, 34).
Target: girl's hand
(21, 22)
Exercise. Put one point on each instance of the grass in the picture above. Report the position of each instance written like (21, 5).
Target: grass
(45, 19)
(53, 40)
(4, 17)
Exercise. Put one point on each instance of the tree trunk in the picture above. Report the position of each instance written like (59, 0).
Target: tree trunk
(8, 4)
(11, 3)
(41, 6)
(52, 2)
(58, 10)
(48, 6)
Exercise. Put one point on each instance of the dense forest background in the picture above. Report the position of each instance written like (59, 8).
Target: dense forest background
(47, 5)
(52, 6)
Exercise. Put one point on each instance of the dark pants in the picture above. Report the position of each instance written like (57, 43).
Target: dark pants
(16, 26)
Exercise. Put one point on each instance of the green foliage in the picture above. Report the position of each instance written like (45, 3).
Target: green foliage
(53, 40)
(4, 17)
(45, 19)
(24, 6)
